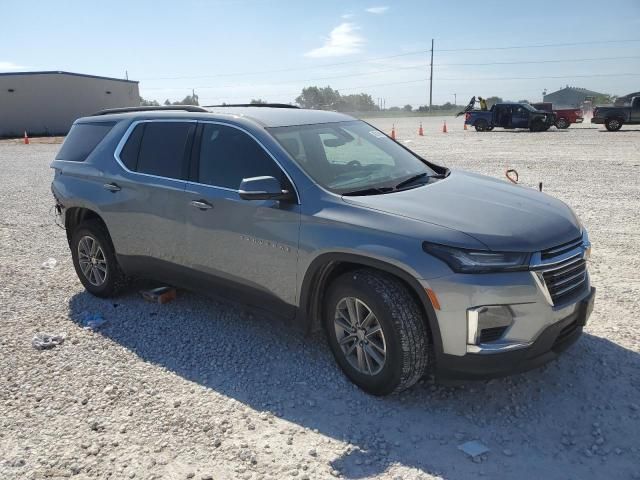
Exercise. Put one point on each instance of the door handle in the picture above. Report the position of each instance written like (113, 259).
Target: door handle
(112, 187)
(201, 204)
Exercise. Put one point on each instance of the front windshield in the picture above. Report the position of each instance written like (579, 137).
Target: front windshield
(347, 157)
(528, 107)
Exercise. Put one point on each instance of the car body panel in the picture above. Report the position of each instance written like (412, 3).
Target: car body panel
(277, 247)
(500, 215)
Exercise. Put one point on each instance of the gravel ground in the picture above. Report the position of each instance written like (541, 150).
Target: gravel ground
(203, 388)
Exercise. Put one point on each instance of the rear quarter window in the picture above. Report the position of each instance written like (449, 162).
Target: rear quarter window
(82, 139)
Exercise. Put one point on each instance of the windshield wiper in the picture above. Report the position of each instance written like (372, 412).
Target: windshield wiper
(410, 180)
(369, 191)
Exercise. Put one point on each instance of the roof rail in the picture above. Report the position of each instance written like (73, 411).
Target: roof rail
(183, 108)
(267, 105)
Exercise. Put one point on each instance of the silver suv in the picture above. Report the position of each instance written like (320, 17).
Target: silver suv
(406, 265)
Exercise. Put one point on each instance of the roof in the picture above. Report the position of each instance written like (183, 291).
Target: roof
(59, 72)
(265, 116)
(582, 91)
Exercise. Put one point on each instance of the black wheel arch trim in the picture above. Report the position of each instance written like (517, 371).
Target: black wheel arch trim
(314, 285)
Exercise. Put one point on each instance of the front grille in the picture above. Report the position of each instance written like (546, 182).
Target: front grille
(566, 276)
(560, 249)
(491, 334)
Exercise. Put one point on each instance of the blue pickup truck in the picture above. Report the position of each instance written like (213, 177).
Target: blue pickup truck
(510, 116)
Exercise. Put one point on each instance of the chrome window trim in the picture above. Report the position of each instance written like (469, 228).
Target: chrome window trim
(127, 134)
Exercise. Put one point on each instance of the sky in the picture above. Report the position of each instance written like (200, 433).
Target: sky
(235, 50)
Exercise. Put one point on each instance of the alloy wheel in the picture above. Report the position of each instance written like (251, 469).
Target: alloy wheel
(92, 261)
(360, 336)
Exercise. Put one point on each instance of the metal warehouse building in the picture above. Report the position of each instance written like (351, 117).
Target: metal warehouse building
(570, 96)
(47, 103)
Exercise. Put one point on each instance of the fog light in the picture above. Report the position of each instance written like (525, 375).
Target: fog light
(484, 318)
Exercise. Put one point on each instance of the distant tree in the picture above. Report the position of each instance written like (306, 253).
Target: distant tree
(258, 101)
(394, 109)
(324, 98)
(360, 102)
(188, 100)
(407, 108)
(491, 101)
(148, 103)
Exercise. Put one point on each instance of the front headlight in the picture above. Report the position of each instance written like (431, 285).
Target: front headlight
(478, 261)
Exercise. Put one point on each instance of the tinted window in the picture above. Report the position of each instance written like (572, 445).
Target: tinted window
(82, 139)
(227, 155)
(129, 153)
(163, 148)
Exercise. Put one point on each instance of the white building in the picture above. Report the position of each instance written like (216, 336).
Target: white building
(47, 103)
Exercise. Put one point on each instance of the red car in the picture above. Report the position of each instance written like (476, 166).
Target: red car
(564, 117)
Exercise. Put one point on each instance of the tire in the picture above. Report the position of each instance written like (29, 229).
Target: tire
(562, 123)
(537, 126)
(613, 124)
(488, 129)
(404, 335)
(104, 282)
(481, 125)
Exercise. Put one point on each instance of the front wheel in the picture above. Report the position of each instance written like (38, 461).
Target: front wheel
(94, 260)
(376, 331)
(613, 124)
(562, 123)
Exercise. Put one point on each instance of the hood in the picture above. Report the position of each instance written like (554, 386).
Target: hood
(502, 216)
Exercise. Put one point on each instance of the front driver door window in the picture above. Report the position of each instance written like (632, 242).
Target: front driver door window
(250, 243)
(519, 117)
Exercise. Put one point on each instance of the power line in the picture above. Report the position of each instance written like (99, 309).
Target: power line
(466, 79)
(570, 60)
(374, 59)
(545, 45)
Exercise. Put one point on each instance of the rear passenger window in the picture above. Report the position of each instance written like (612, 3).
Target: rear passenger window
(228, 155)
(163, 149)
(82, 139)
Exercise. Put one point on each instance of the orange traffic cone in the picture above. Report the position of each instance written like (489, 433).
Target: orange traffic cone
(420, 131)
(26, 138)
(444, 127)
(393, 131)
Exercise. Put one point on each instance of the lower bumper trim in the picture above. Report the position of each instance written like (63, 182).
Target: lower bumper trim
(549, 345)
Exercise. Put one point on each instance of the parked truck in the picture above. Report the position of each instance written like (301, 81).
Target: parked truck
(614, 117)
(564, 116)
(510, 116)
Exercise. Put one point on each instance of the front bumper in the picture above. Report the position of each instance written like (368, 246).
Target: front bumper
(579, 120)
(597, 120)
(552, 341)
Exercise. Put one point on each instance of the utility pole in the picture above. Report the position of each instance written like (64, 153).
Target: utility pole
(455, 99)
(431, 79)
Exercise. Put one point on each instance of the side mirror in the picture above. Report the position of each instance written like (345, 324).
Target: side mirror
(263, 188)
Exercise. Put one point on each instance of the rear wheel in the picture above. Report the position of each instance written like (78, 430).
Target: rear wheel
(95, 261)
(481, 125)
(376, 331)
(562, 123)
(613, 124)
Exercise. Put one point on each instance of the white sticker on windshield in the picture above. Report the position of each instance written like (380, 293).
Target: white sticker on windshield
(377, 134)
